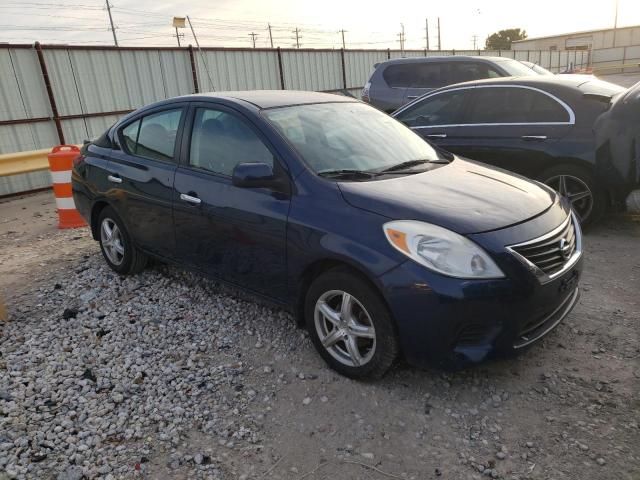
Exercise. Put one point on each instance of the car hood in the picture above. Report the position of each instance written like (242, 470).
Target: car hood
(463, 196)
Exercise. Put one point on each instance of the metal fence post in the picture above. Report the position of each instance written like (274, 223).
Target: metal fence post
(344, 70)
(52, 100)
(281, 69)
(194, 73)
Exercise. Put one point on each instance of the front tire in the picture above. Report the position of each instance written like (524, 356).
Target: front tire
(117, 248)
(587, 198)
(350, 325)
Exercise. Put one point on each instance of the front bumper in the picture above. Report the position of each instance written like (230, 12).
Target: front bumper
(452, 322)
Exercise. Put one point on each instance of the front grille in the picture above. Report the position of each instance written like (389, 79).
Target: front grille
(551, 252)
(537, 328)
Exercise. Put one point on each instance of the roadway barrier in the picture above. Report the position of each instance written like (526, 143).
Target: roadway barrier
(61, 163)
(23, 162)
(23, 172)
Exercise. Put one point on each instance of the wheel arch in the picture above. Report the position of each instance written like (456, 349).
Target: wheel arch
(96, 208)
(319, 267)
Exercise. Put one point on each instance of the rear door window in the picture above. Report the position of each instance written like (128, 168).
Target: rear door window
(469, 71)
(445, 108)
(153, 136)
(513, 105)
(417, 75)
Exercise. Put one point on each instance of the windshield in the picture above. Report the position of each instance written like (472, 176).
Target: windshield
(348, 136)
(515, 68)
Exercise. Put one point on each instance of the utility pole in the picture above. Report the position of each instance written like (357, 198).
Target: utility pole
(113, 29)
(342, 32)
(204, 59)
(401, 39)
(439, 44)
(426, 31)
(253, 38)
(178, 37)
(297, 32)
(270, 36)
(475, 41)
(615, 25)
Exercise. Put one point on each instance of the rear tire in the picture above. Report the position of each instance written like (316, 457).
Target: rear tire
(117, 247)
(587, 198)
(350, 325)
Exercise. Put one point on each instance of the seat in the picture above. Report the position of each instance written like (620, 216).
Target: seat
(154, 142)
(214, 152)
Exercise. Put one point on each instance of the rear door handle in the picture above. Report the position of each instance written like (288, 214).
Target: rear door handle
(534, 137)
(114, 179)
(190, 199)
(436, 135)
(411, 97)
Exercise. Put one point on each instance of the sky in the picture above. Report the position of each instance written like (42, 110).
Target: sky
(367, 24)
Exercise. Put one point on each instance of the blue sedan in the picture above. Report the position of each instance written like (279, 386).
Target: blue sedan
(379, 243)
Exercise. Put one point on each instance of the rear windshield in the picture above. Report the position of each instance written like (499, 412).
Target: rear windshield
(331, 136)
(515, 68)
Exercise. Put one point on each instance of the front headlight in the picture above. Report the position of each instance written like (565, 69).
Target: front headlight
(441, 250)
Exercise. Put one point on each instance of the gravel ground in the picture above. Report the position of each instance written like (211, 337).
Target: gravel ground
(170, 375)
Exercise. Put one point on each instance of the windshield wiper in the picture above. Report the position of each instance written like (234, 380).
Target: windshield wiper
(347, 172)
(403, 165)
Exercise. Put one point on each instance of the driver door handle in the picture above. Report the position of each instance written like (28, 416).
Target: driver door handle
(190, 199)
(412, 97)
(436, 135)
(534, 137)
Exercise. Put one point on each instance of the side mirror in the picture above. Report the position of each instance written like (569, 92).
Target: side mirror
(255, 175)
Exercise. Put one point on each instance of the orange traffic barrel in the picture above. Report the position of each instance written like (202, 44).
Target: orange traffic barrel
(60, 164)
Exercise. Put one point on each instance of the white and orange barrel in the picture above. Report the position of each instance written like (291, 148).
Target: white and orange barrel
(60, 164)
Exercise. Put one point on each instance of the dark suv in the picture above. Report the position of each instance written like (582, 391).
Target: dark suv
(396, 82)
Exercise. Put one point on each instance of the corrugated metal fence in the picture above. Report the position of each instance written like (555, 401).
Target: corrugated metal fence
(53, 93)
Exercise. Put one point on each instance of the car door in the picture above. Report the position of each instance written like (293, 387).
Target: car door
(236, 234)
(141, 175)
(514, 127)
(438, 118)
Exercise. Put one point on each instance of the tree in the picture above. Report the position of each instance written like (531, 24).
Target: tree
(502, 40)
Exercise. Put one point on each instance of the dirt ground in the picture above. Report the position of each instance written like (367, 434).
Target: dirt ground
(567, 409)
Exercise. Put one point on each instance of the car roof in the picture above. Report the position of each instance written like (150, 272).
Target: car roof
(440, 58)
(275, 98)
(567, 81)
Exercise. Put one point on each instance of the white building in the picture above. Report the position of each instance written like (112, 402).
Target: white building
(588, 40)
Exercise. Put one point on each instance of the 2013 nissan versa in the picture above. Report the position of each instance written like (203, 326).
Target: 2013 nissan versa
(380, 243)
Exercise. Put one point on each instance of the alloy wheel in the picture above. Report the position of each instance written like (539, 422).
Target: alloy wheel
(112, 241)
(345, 328)
(576, 191)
